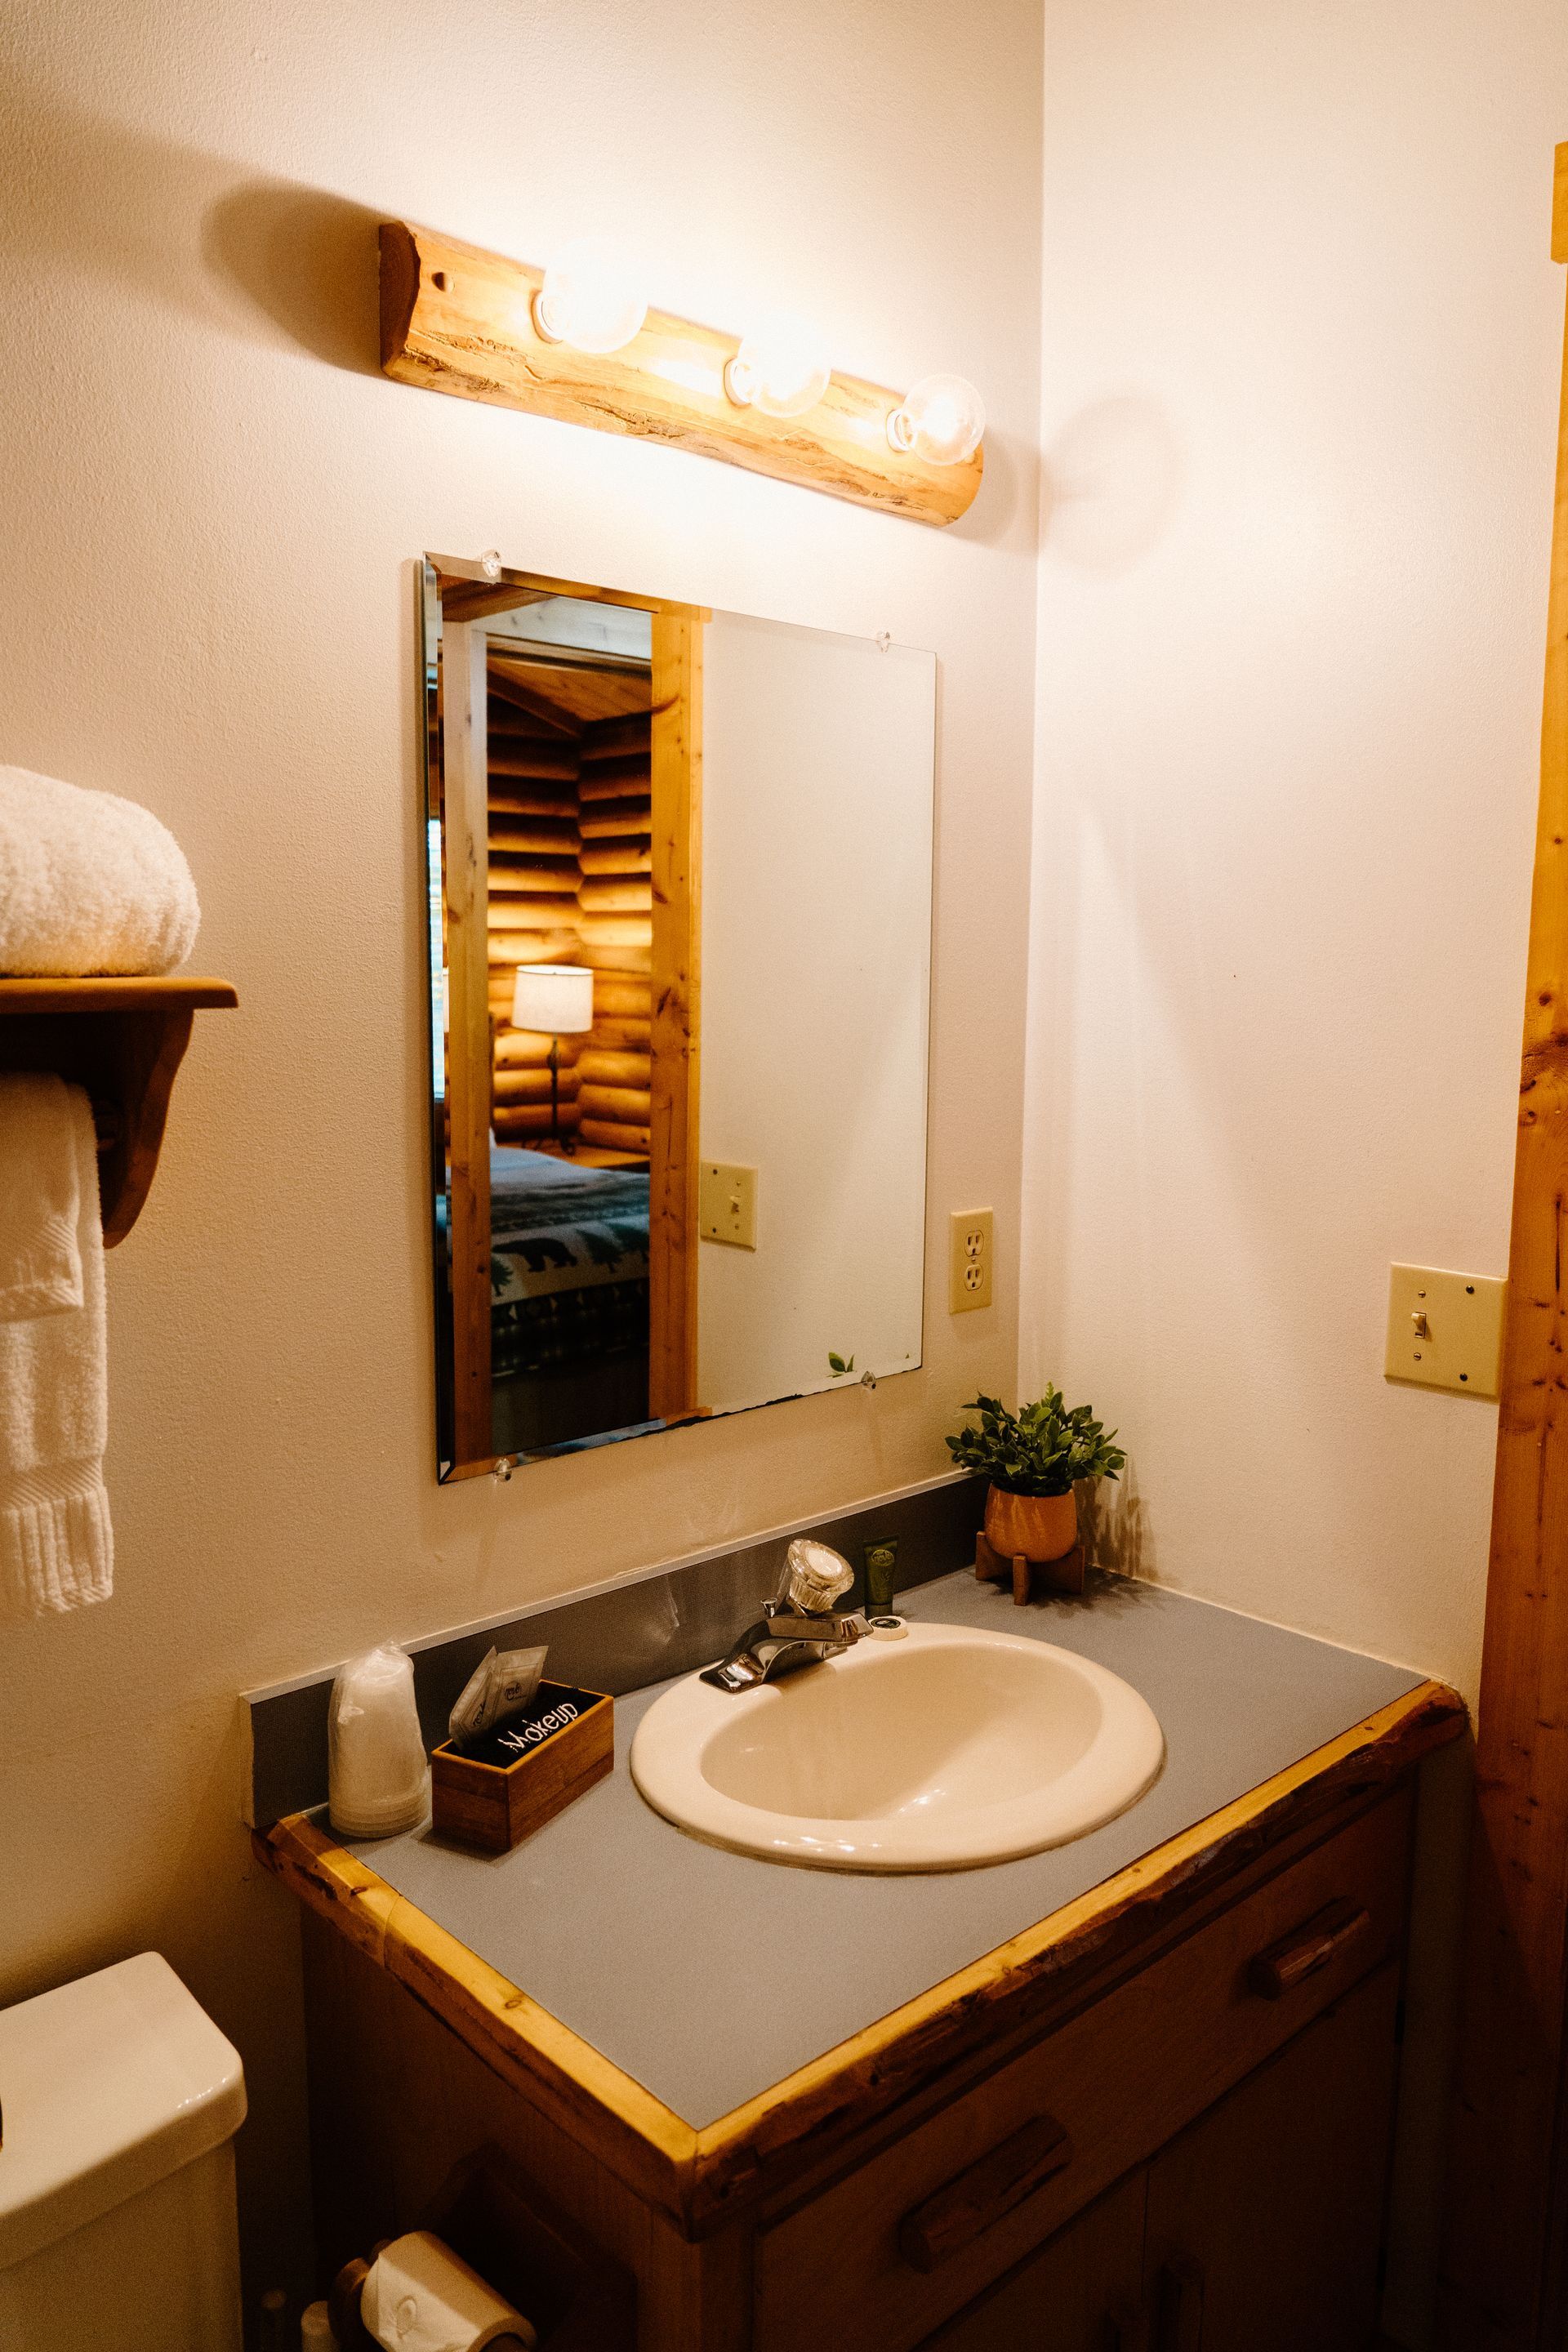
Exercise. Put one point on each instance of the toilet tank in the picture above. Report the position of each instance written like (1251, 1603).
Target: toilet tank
(119, 2103)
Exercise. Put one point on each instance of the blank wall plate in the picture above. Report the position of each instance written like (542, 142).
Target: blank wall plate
(969, 1260)
(1444, 1330)
(727, 1203)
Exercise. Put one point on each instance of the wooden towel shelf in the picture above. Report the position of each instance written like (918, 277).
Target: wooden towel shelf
(122, 1040)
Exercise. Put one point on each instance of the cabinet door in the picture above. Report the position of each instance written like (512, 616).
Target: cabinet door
(1079, 2294)
(1264, 2219)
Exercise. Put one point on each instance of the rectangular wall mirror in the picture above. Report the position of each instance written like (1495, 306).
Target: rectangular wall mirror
(679, 915)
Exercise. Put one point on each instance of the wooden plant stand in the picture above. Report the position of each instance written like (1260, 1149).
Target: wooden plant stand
(1065, 1574)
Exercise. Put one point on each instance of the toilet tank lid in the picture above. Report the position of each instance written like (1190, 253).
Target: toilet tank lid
(106, 2085)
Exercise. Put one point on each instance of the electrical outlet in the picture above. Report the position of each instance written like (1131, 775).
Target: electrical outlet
(1444, 1330)
(727, 1203)
(969, 1260)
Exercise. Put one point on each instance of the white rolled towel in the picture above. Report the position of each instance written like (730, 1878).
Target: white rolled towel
(89, 882)
(422, 2297)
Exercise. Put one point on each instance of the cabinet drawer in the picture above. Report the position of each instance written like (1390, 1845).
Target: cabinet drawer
(895, 2248)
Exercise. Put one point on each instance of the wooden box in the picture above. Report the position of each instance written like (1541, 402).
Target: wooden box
(496, 1805)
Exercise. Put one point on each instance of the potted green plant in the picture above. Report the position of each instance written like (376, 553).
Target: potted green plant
(1034, 1459)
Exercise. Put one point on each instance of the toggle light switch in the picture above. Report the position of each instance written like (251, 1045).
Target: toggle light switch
(1444, 1330)
(727, 1203)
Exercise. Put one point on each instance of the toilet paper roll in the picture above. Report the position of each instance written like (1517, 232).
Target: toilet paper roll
(420, 2297)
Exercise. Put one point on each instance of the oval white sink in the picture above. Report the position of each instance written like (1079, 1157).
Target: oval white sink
(943, 1750)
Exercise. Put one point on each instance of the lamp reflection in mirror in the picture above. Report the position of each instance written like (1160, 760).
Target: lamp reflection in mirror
(554, 1000)
(942, 420)
(593, 297)
(782, 368)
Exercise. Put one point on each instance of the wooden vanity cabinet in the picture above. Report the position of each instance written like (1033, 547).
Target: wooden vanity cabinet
(1161, 2122)
(1083, 2292)
(1260, 2225)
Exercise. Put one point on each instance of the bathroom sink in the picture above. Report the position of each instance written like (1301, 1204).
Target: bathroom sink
(938, 1749)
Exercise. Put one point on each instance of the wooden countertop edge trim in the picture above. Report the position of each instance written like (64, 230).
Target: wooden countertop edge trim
(331, 1880)
(888, 2060)
(644, 2142)
(705, 2176)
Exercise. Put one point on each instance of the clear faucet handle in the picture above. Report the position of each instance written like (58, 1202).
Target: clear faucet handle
(814, 1576)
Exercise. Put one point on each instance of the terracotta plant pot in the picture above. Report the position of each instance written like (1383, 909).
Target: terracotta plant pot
(1041, 1527)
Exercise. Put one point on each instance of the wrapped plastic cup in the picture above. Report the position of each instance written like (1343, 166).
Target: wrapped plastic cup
(378, 1779)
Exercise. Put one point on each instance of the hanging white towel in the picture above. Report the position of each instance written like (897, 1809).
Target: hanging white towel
(89, 882)
(57, 1548)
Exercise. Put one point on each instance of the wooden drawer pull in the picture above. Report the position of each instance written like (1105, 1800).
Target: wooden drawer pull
(1308, 1948)
(959, 2213)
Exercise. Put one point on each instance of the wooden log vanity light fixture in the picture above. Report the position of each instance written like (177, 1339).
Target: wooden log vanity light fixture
(578, 342)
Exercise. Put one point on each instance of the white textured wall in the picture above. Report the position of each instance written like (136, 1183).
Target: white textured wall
(1301, 342)
(211, 499)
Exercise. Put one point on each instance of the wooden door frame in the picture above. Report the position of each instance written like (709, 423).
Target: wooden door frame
(676, 769)
(1502, 2284)
(676, 790)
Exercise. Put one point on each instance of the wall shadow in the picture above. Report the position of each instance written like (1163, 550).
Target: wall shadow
(307, 260)
(1007, 479)
(192, 233)
(1112, 482)
(1114, 1526)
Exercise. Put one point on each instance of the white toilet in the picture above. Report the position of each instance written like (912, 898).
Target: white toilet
(119, 2103)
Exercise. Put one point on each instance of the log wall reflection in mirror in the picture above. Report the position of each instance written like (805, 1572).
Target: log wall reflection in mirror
(680, 935)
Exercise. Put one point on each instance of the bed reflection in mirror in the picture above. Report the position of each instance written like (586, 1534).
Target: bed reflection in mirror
(680, 869)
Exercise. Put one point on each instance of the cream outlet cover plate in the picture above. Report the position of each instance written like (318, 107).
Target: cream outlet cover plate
(971, 1242)
(1444, 1330)
(727, 1203)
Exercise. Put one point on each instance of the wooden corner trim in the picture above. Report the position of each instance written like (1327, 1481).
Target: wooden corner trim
(642, 2140)
(1559, 205)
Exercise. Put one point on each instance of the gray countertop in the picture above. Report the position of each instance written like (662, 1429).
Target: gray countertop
(708, 1975)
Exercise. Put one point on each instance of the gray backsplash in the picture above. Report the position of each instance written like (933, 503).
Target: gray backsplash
(619, 1638)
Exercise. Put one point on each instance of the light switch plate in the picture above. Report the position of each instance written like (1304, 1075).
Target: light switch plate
(1444, 1330)
(969, 1260)
(727, 1203)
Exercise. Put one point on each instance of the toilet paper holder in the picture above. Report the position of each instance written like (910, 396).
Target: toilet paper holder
(348, 2327)
(490, 2213)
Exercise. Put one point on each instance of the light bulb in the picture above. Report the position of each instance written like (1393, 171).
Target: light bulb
(781, 367)
(593, 295)
(942, 420)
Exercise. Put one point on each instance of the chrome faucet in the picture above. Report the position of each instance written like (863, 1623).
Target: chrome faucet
(799, 1627)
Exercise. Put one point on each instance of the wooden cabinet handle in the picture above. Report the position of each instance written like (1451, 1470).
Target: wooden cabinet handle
(958, 2214)
(1179, 2306)
(1308, 1948)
